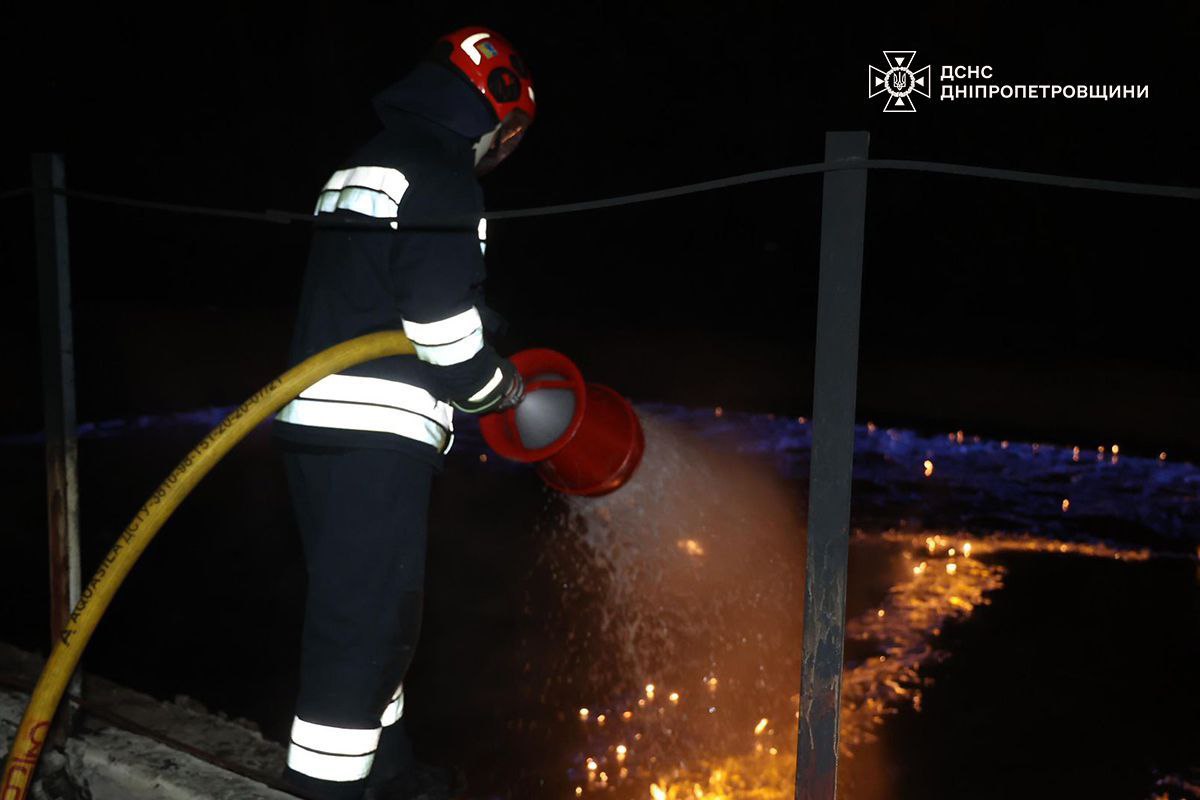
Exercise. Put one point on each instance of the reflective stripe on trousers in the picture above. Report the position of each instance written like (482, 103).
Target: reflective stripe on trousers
(330, 753)
(351, 402)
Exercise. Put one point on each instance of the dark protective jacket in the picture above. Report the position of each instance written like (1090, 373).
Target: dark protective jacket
(428, 281)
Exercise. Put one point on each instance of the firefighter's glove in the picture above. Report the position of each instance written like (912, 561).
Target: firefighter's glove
(504, 391)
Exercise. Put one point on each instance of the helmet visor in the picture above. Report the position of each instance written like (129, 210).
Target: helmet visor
(505, 141)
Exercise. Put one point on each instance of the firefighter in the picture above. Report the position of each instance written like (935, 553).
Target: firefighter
(391, 250)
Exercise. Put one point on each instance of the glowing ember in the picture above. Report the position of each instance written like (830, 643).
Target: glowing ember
(878, 687)
(664, 618)
(1000, 543)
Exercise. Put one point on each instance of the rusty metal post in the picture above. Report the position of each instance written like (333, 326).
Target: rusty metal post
(843, 219)
(58, 387)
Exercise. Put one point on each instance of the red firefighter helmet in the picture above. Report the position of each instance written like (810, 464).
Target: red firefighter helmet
(496, 69)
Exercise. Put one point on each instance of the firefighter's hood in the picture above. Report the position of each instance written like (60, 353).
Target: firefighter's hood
(437, 94)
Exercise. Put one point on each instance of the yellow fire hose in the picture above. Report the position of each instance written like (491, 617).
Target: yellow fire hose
(93, 602)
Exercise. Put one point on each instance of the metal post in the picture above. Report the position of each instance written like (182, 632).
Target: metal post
(58, 387)
(843, 217)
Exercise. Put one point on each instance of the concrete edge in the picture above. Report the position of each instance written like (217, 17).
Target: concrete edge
(117, 765)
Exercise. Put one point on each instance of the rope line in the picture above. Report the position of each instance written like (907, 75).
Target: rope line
(268, 216)
(286, 217)
(870, 163)
(1044, 178)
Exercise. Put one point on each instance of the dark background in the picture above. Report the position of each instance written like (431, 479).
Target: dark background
(1004, 308)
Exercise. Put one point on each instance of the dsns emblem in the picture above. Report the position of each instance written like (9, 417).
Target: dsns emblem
(900, 81)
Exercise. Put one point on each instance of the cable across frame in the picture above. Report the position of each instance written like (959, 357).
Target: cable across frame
(1017, 176)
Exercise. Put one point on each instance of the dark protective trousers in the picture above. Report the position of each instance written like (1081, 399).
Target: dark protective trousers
(362, 517)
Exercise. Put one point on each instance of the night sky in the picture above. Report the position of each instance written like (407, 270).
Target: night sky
(1002, 307)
